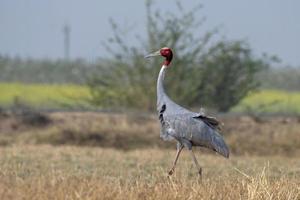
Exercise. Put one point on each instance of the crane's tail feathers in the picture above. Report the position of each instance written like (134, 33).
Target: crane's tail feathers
(219, 145)
(210, 121)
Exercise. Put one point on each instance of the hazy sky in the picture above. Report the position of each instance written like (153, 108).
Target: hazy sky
(33, 28)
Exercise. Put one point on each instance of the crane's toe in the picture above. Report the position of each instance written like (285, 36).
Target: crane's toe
(171, 172)
(200, 173)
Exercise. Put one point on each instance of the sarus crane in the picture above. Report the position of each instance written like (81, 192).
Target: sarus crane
(186, 127)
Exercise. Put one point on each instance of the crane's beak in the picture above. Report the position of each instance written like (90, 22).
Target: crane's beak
(157, 53)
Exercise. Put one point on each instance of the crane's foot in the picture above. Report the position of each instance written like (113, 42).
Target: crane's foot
(200, 173)
(171, 172)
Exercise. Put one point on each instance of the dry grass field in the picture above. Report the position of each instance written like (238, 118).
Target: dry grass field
(117, 156)
(47, 172)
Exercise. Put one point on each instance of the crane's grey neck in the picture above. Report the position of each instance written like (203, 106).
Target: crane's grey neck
(161, 95)
(163, 98)
(160, 80)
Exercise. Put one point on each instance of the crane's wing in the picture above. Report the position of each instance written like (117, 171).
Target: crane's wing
(167, 133)
(211, 135)
(218, 144)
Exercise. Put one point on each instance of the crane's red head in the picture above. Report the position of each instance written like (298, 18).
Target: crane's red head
(165, 52)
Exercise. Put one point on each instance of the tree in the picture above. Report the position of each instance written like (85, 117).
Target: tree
(203, 72)
(228, 74)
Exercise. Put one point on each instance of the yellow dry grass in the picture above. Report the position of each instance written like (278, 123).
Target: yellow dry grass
(46, 172)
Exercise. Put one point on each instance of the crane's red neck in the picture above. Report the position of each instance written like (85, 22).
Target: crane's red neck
(167, 62)
(168, 54)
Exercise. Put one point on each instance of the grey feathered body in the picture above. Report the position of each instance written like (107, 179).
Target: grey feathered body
(188, 128)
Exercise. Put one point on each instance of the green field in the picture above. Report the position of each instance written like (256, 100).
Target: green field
(43, 95)
(67, 95)
(271, 101)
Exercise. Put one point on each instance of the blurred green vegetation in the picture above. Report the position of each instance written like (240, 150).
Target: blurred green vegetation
(15, 69)
(281, 77)
(207, 70)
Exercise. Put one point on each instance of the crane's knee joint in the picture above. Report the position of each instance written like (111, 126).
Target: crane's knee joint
(187, 144)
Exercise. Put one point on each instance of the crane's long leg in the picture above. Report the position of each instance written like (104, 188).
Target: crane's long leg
(179, 149)
(196, 163)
